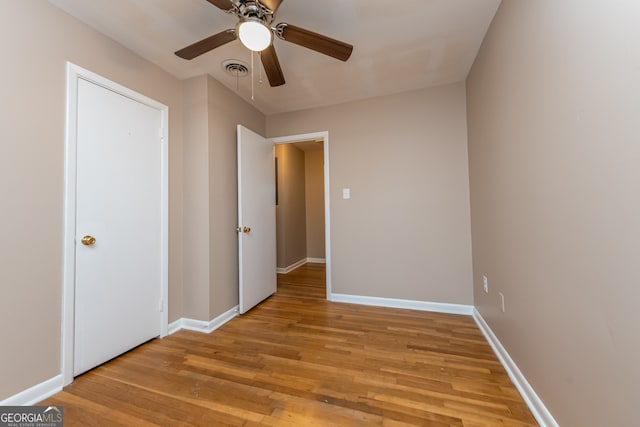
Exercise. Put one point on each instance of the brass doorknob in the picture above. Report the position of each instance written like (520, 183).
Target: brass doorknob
(246, 229)
(88, 240)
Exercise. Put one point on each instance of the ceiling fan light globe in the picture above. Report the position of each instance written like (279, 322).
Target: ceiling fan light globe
(254, 35)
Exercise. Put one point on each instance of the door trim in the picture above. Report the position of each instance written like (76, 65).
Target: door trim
(74, 73)
(324, 135)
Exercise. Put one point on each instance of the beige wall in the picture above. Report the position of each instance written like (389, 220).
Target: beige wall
(314, 201)
(195, 196)
(554, 148)
(37, 40)
(405, 232)
(291, 231)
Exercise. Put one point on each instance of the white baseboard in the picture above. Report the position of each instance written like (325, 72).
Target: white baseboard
(535, 404)
(35, 394)
(201, 325)
(287, 270)
(292, 267)
(402, 303)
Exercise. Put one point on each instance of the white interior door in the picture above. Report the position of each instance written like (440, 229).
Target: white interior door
(256, 218)
(118, 193)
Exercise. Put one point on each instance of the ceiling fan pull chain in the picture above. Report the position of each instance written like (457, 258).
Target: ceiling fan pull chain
(252, 52)
(260, 67)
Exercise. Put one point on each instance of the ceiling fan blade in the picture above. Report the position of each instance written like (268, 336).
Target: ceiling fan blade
(222, 4)
(271, 4)
(272, 66)
(205, 45)
(315, 41)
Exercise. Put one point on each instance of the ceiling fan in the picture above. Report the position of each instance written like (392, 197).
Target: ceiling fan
(256, 32)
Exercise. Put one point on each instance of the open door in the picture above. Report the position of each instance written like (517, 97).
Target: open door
(256, 219)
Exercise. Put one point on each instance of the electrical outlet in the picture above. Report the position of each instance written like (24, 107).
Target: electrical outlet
(485, 284)
(502, 300)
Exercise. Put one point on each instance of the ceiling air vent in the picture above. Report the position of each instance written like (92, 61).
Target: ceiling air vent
(236, 68)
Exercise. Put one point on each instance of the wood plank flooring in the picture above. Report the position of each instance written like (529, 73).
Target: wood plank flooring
(299, 360)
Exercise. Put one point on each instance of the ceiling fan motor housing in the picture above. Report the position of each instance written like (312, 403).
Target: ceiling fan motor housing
(255, 11)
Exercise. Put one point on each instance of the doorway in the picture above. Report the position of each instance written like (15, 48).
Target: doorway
(116, 222)
(303, 228)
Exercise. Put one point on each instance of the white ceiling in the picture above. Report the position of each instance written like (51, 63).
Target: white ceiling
(398, 45)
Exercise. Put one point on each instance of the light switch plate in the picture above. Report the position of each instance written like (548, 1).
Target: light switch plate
(346, 193)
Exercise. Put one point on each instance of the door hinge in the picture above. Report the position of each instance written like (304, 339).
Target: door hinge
(161, 306)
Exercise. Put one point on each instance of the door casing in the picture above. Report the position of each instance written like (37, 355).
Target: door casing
(74, 73)
(324, 136)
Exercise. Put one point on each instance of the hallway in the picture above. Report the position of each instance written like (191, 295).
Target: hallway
(308, 281)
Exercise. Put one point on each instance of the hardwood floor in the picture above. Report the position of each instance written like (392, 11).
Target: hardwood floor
(299, 360)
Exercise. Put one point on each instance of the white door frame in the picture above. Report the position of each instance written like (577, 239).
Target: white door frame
(327, 208)
(74, 73)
